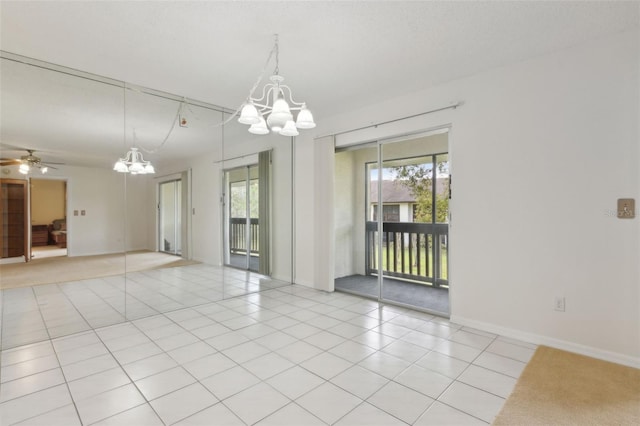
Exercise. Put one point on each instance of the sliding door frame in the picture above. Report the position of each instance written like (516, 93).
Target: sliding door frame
(379, 143)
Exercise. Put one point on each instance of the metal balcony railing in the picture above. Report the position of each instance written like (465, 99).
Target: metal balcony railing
(238, 236)
(410, 251)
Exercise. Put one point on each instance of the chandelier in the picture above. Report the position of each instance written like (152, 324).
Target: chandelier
(276, 104)
(134, 163)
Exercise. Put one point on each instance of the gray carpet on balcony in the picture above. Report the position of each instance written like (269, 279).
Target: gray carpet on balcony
(419, 295)
(240, 261)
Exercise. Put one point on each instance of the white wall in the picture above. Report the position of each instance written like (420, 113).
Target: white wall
(101, 194)
(304, 200)
(139, 203)
(540, 152)
(206, 193)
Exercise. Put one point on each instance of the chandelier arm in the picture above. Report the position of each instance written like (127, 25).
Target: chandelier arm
(264, 108)
(298, 105)
(264, 111)
(265, 94)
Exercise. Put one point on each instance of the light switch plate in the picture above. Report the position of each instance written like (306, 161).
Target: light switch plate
(626, 208)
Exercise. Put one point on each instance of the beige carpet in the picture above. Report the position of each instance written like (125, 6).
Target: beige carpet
(49, 270)
(562, 388)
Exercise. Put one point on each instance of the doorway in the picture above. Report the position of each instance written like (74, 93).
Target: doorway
(392, 211)
(170, 217)
(49, 231)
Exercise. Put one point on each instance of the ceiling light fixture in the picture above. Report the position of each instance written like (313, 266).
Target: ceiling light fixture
(28, 162)
(273, 104)
(25, 168)
(134, 163)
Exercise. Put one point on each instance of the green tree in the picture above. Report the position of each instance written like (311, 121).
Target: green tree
(239, 198)
(419, 179)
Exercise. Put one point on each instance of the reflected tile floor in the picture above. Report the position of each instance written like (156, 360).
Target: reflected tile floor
(31, 314)
(285, 356)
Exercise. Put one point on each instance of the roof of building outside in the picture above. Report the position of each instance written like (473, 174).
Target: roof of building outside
(393, 191)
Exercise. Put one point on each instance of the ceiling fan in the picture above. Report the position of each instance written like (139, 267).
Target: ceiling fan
(28, 162)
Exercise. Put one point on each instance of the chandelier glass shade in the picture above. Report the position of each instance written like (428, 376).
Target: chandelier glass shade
(134, 163)
(276, 104)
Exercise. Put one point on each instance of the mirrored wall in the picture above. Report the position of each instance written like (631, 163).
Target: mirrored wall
(86, 247)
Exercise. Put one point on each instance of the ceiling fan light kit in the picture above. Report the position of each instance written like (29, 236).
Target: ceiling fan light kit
(27, 163)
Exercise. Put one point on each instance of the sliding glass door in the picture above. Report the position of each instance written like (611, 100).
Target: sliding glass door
(242, 218)
(170, 217)
(392, 201)
(355, 230)
(412, 242)
(247, 210)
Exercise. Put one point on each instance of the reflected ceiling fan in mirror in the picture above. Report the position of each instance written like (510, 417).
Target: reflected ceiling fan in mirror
(28, 162)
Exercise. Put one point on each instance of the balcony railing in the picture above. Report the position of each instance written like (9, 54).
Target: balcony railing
(410, 251)
(238, 236)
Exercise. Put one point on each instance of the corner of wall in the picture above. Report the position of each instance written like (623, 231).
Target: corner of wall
(549, 341)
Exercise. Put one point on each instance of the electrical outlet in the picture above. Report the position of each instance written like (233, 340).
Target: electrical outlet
(626, 208)
(559, 304)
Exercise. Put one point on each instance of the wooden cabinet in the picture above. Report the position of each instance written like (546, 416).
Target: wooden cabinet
(39, 235)
(13, 224)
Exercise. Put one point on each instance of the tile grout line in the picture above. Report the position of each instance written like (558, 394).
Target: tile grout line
(299, 321)
(66, 382)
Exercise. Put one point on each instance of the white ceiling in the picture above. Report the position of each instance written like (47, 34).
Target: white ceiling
(335, 55)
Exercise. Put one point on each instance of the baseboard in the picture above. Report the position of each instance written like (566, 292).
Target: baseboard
(9, 260)
(93, 253)
(538, 339)
(306, 283)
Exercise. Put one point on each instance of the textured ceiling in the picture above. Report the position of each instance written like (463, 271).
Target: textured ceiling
(333, 54)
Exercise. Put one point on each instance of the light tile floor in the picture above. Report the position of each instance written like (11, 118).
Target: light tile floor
(285, 356)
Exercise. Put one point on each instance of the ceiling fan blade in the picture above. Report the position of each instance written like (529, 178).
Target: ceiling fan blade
(7, 147)
(52, 162)
(48, 166)
(9, 162)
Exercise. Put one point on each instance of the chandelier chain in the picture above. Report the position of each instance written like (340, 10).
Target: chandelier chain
(275, 51)
(166, 138)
